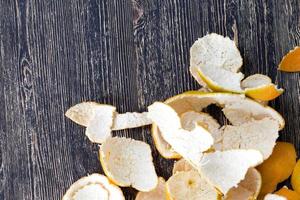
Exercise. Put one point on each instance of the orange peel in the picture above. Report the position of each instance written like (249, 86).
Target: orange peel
(190, 185)
(260, 87)
(238, 109)
(278, 167)
(291, 61)
(264, 93)
(248, 188)
(295, 180)
(126, 161)
(289, 194)
(159, 193)
(94, 186)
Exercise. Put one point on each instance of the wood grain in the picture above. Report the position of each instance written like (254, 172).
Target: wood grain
(54, 54)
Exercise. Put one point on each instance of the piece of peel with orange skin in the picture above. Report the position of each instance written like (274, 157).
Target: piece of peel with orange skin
(278, 167)
(83, 113)
(273, 197)
(181, 165)
(190, 185)
(238, 109)
(94, 186)
(159, 193)
(291, 61)
(217, 61)
(189, 144)
(295, 180)
(248, 188)
(260, 87)
(126, 162)
(266, 188)
(289, 194)
(264, 93)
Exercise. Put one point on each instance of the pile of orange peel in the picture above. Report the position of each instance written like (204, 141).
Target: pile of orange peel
(238, 160)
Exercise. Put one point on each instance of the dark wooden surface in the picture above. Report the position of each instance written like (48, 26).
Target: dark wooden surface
(56, 53)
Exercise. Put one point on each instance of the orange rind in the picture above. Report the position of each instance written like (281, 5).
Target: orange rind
(248, 188)
(289, 194)
(158, 193)
(190, 185)
(260, 87)
(126, 162)
(295, 180)
(278, 167)
(237, 108)
(94, 186)
(291, 61)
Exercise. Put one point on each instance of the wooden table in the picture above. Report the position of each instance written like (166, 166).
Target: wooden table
(56, 53)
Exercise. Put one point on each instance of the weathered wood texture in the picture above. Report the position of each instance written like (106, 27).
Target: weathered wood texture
(56, 53)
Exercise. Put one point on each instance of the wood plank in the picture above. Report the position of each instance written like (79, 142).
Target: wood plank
(17, 178)
(86, 56)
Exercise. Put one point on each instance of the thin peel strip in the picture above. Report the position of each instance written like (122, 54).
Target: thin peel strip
(189, 144)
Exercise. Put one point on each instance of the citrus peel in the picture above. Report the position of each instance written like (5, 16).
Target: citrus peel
(260, 87)
(92, 187)
(181, 165)
(255, 134)
(274, 197)
(226, 169)
(291, 61)
(215, 62)
(289, 194)
(126, 161)
(159, 193)
(190, 185)
(295, 180)
(237, 108)
(189, 144)
(278, 167)
(248, 188)
(101, 119)
(190, 119)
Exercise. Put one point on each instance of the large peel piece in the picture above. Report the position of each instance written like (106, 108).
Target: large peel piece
(159, 193)
(226, 169)
(248, 188)
(93, 187)
(128, 162)
(255, 134)
(237, 108)
(215, 60)
(190, 185)
(189, 144)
